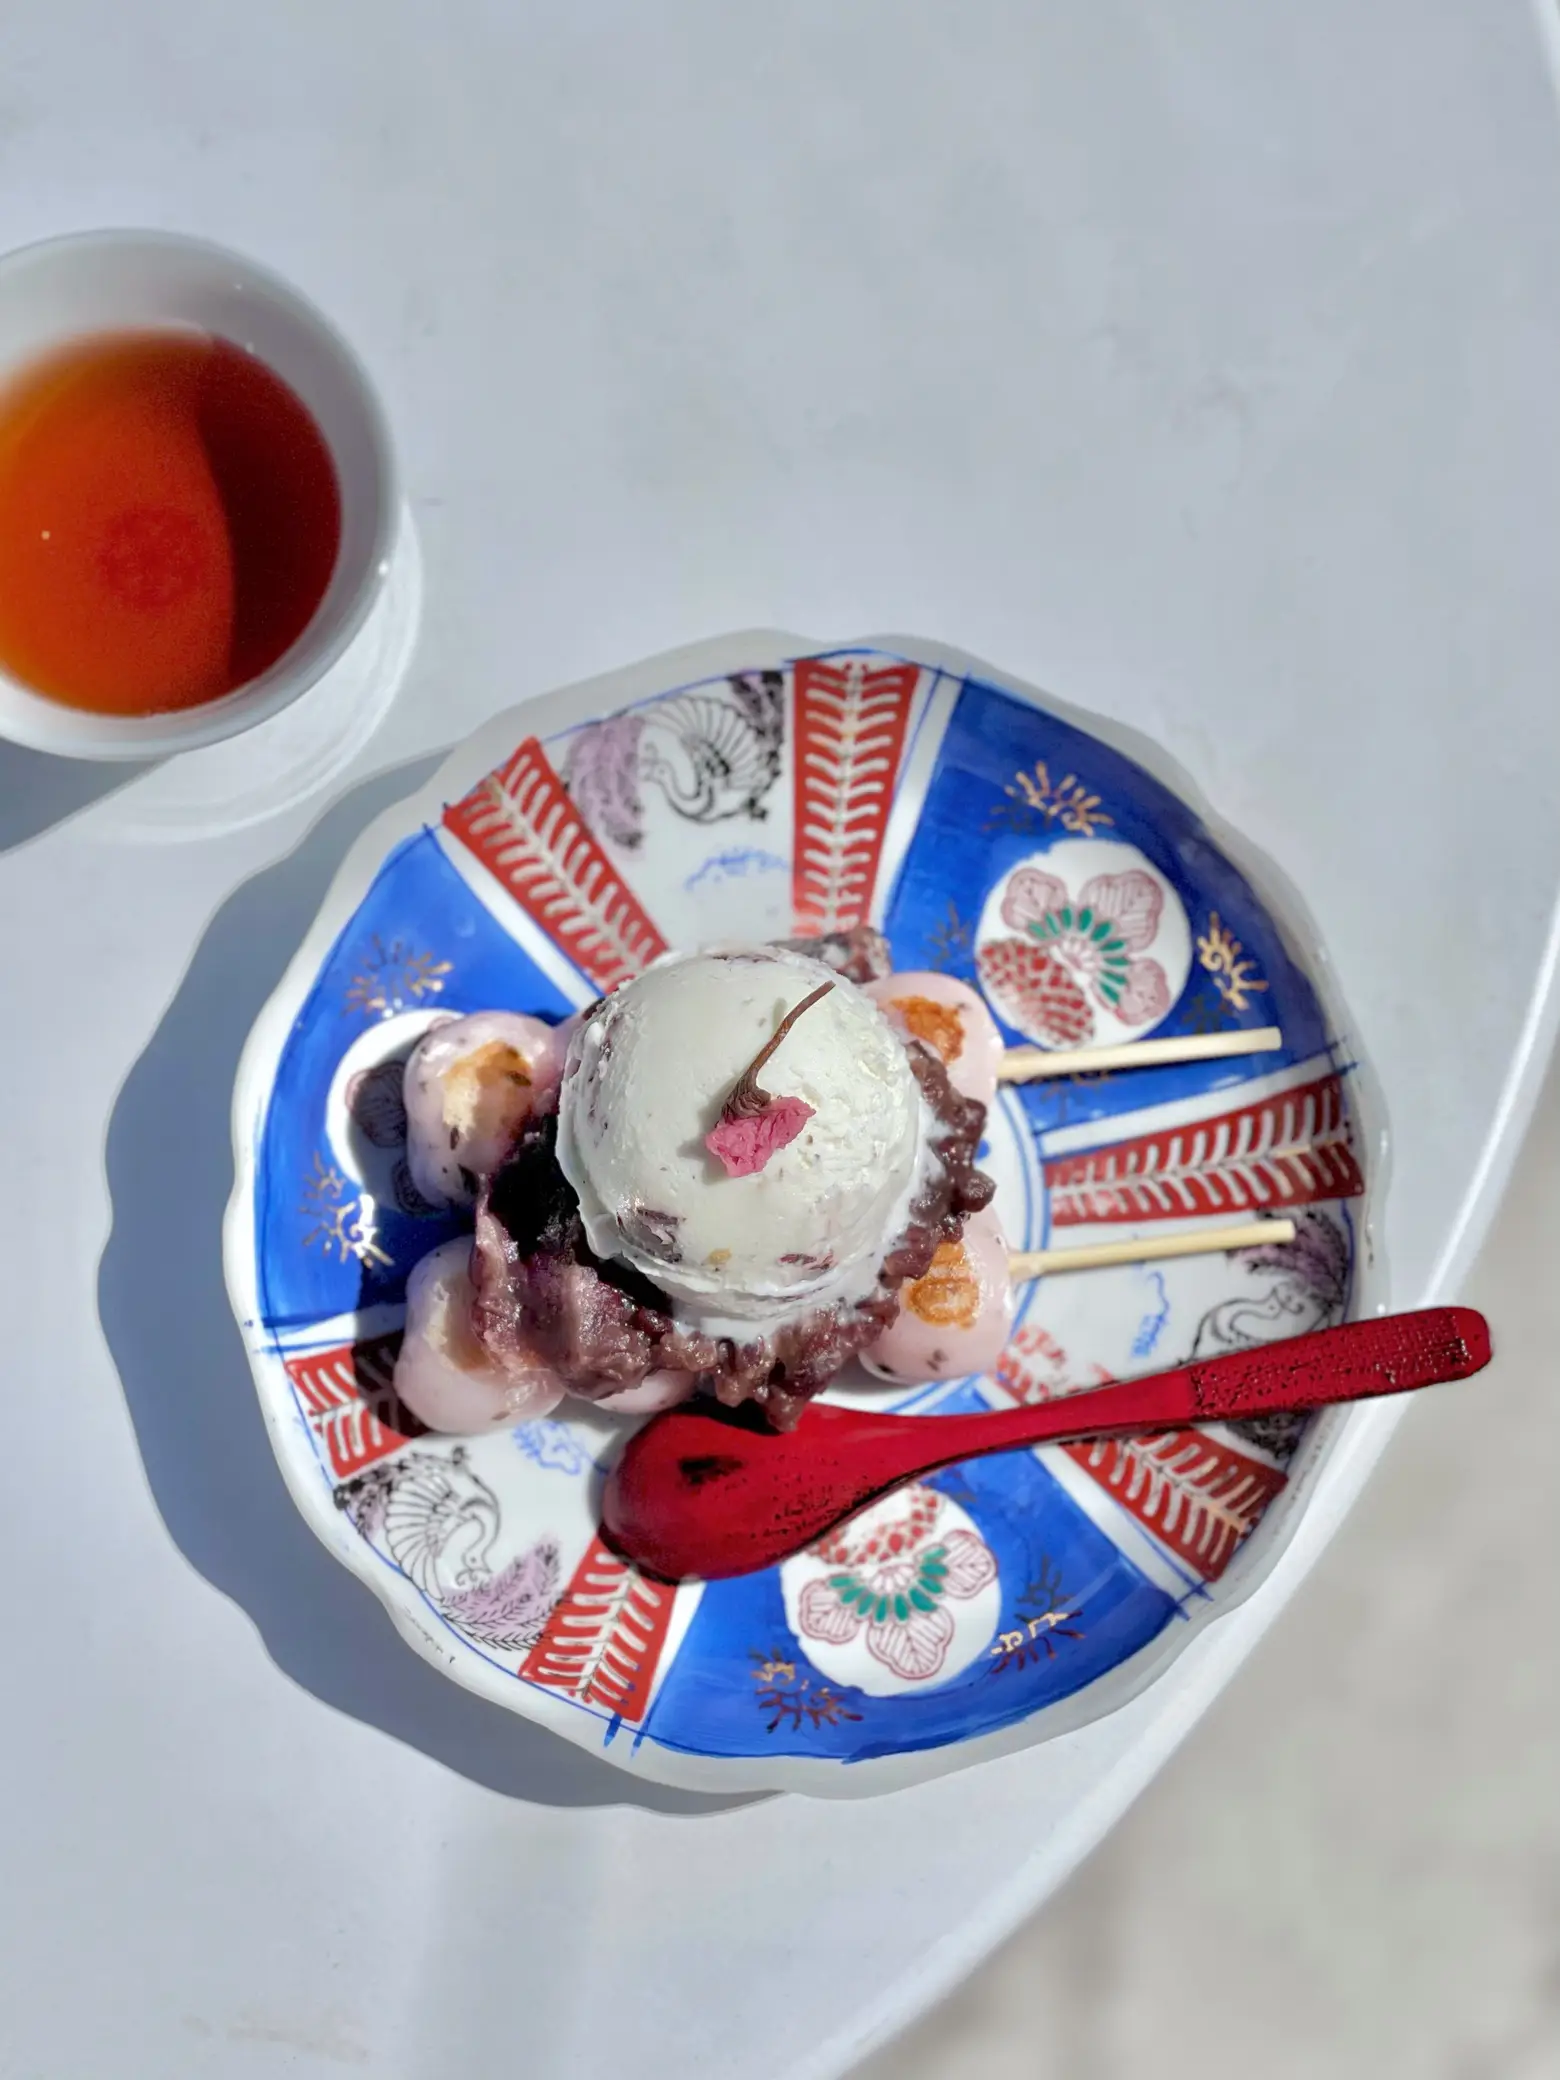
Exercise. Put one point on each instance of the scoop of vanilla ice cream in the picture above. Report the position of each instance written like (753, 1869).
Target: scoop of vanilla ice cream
(645, 1081)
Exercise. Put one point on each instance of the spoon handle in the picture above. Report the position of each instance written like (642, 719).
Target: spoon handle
(1391, 1354)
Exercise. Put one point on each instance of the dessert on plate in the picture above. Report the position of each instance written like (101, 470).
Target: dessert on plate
(718, 1179)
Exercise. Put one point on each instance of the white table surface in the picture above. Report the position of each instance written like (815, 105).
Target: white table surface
(1198, 362)
(1393, 1919)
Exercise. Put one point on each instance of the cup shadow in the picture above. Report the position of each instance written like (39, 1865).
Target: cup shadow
(37, 790)
(186, 1377)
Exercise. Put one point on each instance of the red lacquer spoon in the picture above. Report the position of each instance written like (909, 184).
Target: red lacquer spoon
(702, 1492)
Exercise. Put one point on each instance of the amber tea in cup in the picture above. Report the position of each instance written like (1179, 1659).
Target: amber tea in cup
(170, 517)
(198, 496)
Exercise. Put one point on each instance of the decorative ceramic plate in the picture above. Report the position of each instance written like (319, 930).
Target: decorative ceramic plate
(750, 789)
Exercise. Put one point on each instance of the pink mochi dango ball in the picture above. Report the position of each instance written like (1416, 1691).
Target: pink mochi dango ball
(957, 1319)
(470, 1085)
(952, 1019)
(443, 1374)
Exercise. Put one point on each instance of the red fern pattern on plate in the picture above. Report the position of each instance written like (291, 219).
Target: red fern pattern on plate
(522, 825)
(1288, 1150)
(351, 1404)
(1198, 1495)
(603, 1640)
(850, 721)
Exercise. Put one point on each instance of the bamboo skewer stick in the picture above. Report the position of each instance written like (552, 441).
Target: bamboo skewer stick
(1028, 1064)
(1097, 1256)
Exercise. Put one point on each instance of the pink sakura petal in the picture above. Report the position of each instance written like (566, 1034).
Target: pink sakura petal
(970, 1565)
(1145, 998)
(1030, 894)
(744, 1146)
(821, 1615)
(1132, 901)
(915, 1648)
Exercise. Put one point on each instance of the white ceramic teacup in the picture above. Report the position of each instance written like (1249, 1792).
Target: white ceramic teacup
(105, 281)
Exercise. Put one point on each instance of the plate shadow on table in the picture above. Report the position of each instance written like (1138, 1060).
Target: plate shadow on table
(186, 1378)
(38, 791)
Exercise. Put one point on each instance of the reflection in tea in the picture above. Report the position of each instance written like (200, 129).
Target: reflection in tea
(169, 521)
